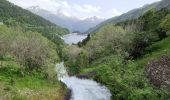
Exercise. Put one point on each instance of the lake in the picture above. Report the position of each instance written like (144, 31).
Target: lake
(73, 38)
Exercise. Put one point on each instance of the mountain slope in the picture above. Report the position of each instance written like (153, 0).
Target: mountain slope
(13, 15)
(27, 56)
(10, 11)
(133, 14)
(143, 40)
(163, 4)
(70, 22)
(61, 19)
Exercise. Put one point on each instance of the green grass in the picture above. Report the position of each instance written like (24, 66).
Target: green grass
(155, 51)
(34, 86)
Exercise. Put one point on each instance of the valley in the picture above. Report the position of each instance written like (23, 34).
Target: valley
(49, 55)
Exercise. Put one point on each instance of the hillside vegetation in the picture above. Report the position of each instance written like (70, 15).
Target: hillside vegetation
(119, 53)
(12, 15)
(128, 56)
(27, 63)
(29, 49)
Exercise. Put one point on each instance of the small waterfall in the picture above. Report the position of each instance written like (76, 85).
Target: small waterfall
(82, 89)
(61, 71)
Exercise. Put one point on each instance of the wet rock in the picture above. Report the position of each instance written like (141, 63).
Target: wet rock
(68, 95)
(86, 75)
(158, 72)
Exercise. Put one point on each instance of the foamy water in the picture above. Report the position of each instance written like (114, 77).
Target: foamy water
(82, 89)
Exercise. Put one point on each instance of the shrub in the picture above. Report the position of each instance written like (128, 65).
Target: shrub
(138, 43)
(161, 33)
(4, 40)
(126, 81)
(165, 24)
(84, 42)
(109, 40)
(71, 57)
(30, 49)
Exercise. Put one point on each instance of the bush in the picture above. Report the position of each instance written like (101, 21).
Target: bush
(138, 43)
(4, 40)
(82, 59)
(109, 40)
(71, 56)
(30, 49)
(126, 81)
(84, 42)
(161, 33)
(165, 24)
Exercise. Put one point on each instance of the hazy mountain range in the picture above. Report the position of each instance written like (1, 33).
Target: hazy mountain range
(70, 22)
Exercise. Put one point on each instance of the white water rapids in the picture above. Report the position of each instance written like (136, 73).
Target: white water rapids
(82, 89)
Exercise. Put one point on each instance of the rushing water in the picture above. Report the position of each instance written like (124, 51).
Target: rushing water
(73, 38)
(82, 89)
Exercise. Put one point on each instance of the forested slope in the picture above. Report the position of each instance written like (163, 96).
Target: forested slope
(30, 47)
(13, 15)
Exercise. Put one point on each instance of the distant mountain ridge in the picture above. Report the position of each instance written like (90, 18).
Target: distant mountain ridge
(66, 21)
(133, 14)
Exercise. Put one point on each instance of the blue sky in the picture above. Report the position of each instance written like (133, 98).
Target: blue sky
(85, 8)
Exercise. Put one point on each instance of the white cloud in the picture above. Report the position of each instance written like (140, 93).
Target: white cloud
(54, 6)
(115, 12)
(50, 5)
(91, 8)
(111, 13)
(70, 9)
(86, 8)
(63, 13)
(65, 5)
(80, 8)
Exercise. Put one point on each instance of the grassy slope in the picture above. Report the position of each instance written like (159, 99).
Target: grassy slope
(30, 86)
(134, 72)
(15, 87)
(18, 84)
(155, 51)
